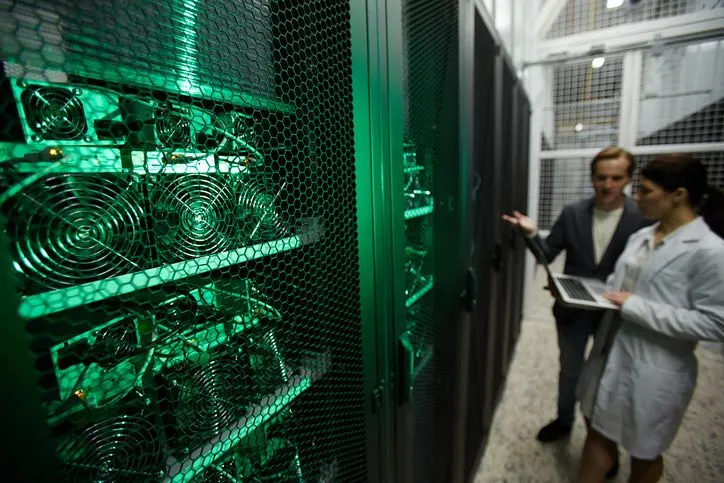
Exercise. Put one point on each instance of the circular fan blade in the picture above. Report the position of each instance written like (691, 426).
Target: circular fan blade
(257, 211)
(116, 342)
(210, 397)
(54, 113)
(173, 129)
(72, 229)
(121, 449)
(194, 216)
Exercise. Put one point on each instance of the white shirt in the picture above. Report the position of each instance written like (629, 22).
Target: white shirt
(604, 226)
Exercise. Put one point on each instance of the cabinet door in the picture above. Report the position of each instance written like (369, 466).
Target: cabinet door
(182, 224)
(485, 214)
(428, 242)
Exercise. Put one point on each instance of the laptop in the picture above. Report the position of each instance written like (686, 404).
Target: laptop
(577, 292)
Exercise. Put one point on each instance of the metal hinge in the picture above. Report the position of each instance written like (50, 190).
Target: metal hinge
(378, 395)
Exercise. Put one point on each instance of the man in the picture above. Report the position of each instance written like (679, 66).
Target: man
(593, 232)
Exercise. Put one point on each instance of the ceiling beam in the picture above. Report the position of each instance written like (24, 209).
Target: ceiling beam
(548, 14)
(636, 35)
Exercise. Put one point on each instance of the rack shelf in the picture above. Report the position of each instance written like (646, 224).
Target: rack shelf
(417, 212)
(257, 415)
(67, 298)
(419, 294)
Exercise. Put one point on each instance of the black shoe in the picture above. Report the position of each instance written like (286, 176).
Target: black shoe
(554, 431)
(613, 471)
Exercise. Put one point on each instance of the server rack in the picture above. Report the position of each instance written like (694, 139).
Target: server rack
(429, 231)
(481, 391)
(245, 257)
(500, 156)
(179, 187)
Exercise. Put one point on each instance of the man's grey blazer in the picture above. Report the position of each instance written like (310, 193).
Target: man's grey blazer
(573, 232)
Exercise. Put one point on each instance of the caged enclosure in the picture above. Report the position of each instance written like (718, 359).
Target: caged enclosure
(178, 188)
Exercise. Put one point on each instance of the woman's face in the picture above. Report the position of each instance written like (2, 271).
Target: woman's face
(654, 202)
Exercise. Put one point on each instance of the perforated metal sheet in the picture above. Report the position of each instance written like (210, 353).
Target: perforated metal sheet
(178, 185)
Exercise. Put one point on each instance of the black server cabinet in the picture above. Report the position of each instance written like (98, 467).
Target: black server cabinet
(179, 191)
(428, 237)
(505, 90)
(522, 128)
(486, 212)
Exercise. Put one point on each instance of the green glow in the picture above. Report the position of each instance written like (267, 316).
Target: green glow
(258, 414)
(417, 212)
(419, 294)
(51, 302)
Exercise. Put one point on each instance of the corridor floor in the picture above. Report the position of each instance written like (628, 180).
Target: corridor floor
(514, 456)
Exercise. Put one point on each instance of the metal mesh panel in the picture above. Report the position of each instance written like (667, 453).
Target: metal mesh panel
(586, 101)
(682, 95)
(430, 41)
(562, 181)
(178, 186)
(586, 15)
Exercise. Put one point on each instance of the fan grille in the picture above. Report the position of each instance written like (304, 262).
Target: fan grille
(121, 449)
(210, 397)
(173, 129)
(72, 229)
(195, 216)
(117, 342)
(54, 113)
(258, 213)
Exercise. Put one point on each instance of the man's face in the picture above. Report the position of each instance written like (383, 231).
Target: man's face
(609, 180)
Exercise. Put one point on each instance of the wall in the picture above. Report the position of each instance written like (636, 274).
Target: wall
(679, 81)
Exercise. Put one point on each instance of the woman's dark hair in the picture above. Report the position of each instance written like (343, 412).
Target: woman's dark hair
(673, 171)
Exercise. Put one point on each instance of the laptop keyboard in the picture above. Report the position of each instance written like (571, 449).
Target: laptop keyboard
(575, 289)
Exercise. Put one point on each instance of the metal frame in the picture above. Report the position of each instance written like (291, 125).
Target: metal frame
(547, 16)
(368, 81)
(467, 168)
(623, 37)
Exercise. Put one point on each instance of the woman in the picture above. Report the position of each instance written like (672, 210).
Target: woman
(641, 374)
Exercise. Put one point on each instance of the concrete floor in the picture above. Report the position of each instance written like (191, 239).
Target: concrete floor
(513, 455)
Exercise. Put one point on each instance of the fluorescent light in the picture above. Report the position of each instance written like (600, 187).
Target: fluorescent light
(598, 62)
(614, 3)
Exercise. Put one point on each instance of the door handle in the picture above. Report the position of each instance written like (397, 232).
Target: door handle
(498, 262)
(414, 357)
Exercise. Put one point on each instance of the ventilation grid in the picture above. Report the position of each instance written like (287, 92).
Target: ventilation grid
(193, 216)
(121, 449)
(54, 113)
(70, 229)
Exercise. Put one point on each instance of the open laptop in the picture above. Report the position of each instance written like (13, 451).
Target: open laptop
(576, 292)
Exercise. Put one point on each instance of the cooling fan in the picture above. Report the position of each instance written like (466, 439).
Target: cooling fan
(124, 449)
(173, 127)
(240, 125)
(54, 113)
(194, 216)
(201, 400)
(257, 212)
(72, 229)
(266, 361)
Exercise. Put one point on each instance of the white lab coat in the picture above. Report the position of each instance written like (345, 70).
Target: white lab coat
(641, 374)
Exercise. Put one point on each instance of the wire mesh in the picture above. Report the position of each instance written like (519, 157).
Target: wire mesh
(177, 179)
(562, 181)
(585, 104)
(580, 16)
(682, 96)
(430, 49)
